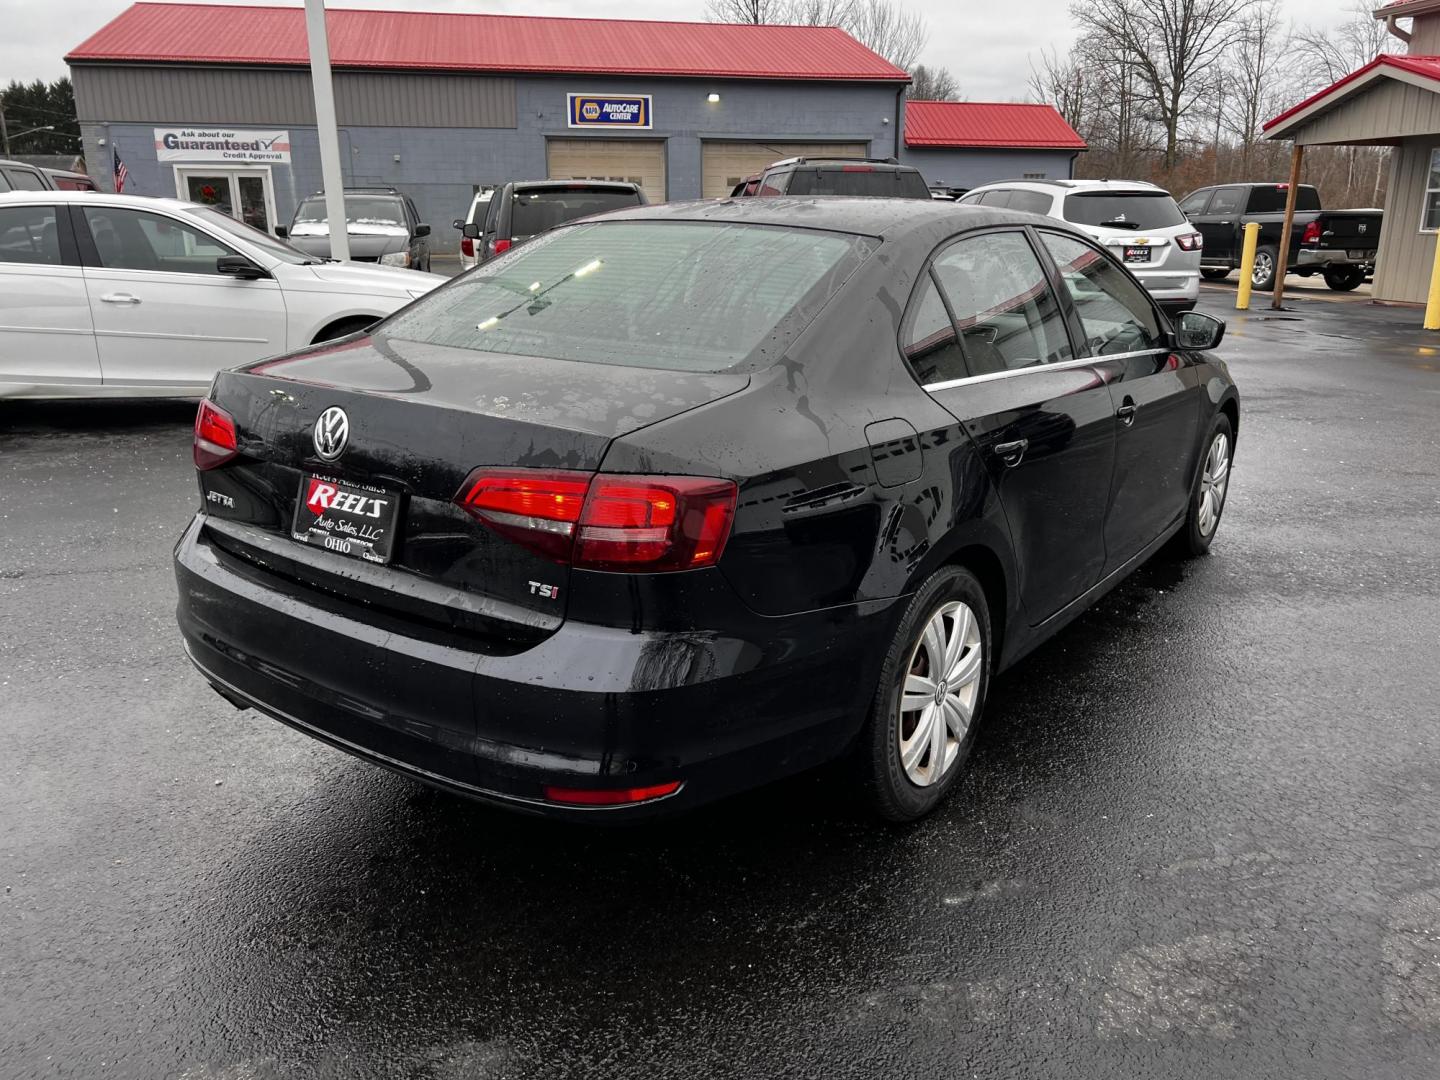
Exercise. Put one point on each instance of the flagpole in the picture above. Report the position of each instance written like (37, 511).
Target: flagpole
(325, 128)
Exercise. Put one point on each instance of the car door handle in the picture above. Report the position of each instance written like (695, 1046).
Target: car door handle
(1011, 452)
(1126, 413)
(120, 298)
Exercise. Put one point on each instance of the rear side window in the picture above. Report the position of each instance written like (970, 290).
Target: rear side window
(28, 235)
(1115, 312)
(996, 198)
(857, 180)
(4, 184)
(1032, 202)
(1006, 314)
(534, 212)
(688, 296)
(1270, 198)
(1227, 200)
(930, 343)
(1137, 210)
(24, 180)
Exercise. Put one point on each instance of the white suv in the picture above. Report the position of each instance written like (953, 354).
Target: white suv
(1138, 222)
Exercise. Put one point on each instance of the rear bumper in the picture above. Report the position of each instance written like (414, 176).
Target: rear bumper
(1322, 257)
(1172, 286)
(589, 707)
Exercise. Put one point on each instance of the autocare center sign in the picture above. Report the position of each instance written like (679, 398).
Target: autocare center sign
(222, 144)
(609, 111)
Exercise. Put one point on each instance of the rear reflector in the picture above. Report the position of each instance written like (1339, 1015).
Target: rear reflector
(214, 436)
(603, 521)
(610, 796)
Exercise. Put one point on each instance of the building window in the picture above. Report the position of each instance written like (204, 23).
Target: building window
(1034, 176)
(1430, 222)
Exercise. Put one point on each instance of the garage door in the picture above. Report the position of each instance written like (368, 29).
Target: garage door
(641, 161)
(725, 164)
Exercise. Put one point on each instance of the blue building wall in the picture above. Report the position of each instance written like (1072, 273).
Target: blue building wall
(440, 167)
(971, 168)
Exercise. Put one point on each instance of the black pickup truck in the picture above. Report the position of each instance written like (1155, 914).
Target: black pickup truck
(1338, 244)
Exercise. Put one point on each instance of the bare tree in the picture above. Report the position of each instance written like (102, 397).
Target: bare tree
(1332, 52)
(1064, 83)
(747, 11)
(932, 84)
(820, 12)
(1171, 44)
(891, 30)
(1251, 89)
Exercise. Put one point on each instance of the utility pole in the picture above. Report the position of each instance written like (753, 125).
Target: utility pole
(325, 127)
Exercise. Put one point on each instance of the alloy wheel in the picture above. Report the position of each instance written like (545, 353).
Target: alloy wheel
(1264, 267)
(940, 693)
(1213, 483)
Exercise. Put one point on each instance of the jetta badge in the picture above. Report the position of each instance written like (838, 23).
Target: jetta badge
(332, 432)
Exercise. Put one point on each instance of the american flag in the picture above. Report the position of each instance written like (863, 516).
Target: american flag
(121, 173)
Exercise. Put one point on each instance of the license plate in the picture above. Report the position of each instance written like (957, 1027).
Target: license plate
(350, 519)
(1360, 255)
(1137, 254)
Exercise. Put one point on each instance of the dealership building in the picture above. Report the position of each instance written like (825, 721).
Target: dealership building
(214, 103)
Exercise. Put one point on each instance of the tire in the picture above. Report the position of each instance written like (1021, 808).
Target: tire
(343, 328)
(1195, 538)
(1344, 278)
(899, 792)
(1214, 273)
(1262, 277)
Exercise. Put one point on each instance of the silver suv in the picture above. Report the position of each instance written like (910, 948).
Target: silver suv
(1137, 222)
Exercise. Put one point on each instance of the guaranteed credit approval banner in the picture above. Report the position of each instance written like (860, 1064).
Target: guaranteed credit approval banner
(609, 110)
(221, 144)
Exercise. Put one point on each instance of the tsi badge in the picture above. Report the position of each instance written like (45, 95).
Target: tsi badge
(550, 592)
(332, 432)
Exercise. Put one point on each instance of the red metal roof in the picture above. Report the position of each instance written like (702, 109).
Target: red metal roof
(1426, 66)
(224, 34)
(983, 123)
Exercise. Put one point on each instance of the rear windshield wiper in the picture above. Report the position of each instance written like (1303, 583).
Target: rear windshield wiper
(1120, 223)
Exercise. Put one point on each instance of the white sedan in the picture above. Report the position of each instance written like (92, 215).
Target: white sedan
(126, 296)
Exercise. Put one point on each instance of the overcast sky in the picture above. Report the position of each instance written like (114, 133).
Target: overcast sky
(988, 51)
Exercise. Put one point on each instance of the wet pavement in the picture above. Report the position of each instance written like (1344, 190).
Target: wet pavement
(1199, 836)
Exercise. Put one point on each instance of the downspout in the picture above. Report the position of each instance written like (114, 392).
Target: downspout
(1394, 28)
(899, 118)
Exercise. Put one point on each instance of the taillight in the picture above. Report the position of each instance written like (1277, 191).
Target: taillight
(467, 247)
(1190, 242)
(1312, 233)
(499, 247)
(610, 796)
(214, 436)
(604, 521)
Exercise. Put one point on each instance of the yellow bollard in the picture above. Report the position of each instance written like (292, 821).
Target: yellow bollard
(1247, 266)
(1432, 306)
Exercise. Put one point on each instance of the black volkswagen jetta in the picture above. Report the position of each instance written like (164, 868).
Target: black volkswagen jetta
(678, 501)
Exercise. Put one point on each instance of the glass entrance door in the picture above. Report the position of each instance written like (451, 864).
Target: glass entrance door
(244, 194)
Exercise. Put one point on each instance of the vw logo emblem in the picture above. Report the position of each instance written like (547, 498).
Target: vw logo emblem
(332, 432)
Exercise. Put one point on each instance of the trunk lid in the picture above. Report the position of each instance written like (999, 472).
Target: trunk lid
(421, 418)
(1351, 229)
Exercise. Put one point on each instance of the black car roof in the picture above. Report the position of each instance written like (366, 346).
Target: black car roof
(886, 218)
(616, 185)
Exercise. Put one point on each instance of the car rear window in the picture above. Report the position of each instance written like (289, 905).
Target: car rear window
(857, 180)
(1270, 198)
(533, 212)
(688, 296)
(381, 215)
(1123, 209)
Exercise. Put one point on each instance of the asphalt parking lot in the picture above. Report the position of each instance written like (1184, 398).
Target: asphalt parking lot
(1199, 838)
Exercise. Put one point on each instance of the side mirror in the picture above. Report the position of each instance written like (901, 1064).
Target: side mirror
(282, 231)
(470, 231)
(238, 266)
(422, 230)
(1197, 332)
(458, 223)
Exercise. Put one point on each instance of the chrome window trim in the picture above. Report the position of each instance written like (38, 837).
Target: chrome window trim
(1063, 365)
